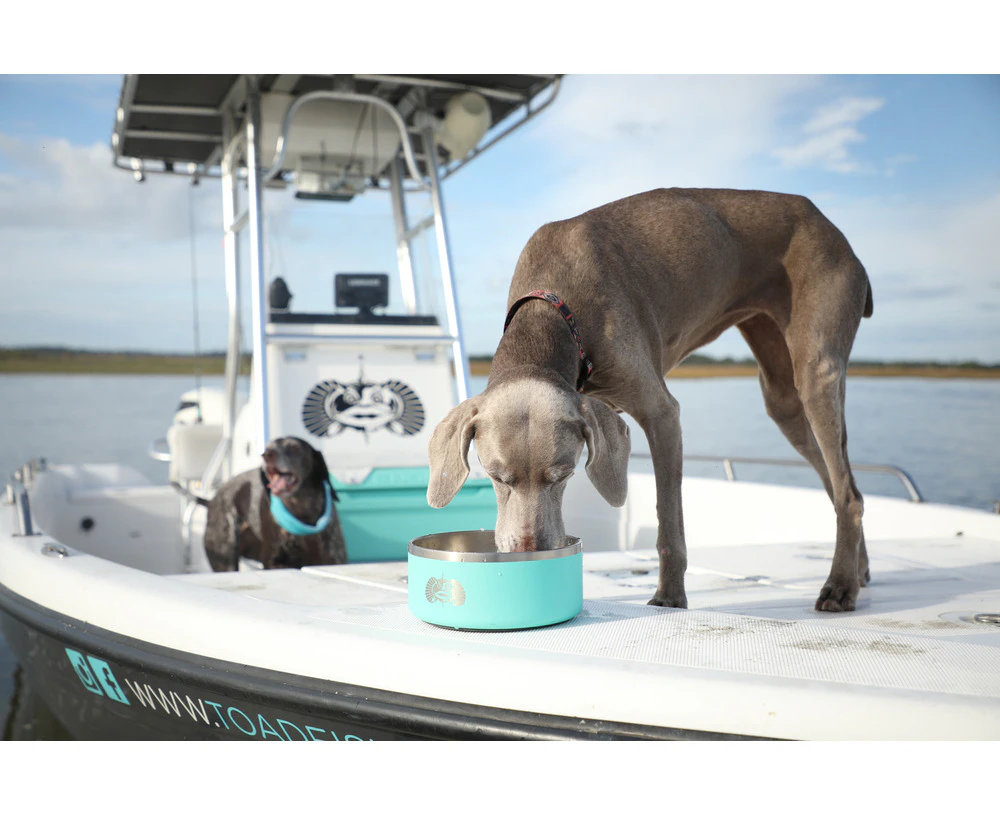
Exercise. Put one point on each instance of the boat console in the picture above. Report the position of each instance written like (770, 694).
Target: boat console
(367, 382)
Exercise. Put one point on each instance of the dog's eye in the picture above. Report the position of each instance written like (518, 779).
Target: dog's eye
(507, 479)
(556, 474)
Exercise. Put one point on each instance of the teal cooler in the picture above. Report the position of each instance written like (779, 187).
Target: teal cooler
(383, 513)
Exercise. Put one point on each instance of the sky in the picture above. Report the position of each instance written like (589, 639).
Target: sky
(907, 165)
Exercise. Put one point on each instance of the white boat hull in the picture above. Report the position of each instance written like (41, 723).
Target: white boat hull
(750, 658)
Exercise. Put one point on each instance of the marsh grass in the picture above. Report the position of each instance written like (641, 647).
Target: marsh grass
(69, 361)
(700, 369)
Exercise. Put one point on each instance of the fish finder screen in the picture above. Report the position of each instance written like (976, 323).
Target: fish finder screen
(361, 291)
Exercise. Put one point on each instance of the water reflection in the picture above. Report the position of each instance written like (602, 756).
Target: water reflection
(28, 717)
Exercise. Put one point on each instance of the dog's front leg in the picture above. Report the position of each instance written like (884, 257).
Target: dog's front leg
(663, 431)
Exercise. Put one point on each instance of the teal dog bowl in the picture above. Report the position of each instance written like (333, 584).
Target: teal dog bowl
(459, 580)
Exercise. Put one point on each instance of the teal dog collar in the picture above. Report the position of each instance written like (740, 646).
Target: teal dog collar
(290, 523)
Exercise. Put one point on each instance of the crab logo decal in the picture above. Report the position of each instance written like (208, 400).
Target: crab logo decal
(332, 407)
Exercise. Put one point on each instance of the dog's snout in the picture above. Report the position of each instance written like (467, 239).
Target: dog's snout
(526, 543)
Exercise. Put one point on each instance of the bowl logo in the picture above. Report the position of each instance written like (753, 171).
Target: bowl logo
(332, 407)
(444, 591)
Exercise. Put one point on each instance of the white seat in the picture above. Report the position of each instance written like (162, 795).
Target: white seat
(191, 449)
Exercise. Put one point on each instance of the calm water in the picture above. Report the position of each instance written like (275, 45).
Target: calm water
(944, 433)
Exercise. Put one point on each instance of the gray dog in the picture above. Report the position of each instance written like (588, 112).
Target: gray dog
(651, 278)
(241, 522)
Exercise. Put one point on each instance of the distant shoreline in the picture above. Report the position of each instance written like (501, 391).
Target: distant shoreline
(718, 370)
(70, 361)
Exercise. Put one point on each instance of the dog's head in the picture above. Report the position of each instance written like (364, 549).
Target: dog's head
(289, 463)
(530, 434)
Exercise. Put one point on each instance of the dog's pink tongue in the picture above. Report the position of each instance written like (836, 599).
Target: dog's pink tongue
(281, 484)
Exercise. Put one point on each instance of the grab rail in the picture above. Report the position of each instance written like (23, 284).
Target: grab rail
(361, 339)
(159, 450)
(281, 146)
(24, 513)
(17, 495)
(728, 461)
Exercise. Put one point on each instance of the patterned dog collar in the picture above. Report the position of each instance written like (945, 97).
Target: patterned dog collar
(586, 366)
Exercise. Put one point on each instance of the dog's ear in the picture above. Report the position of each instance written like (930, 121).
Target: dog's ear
(449, 452)
(320, 472)
(608, 448)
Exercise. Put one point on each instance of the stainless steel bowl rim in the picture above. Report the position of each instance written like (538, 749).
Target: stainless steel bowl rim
(494, 557)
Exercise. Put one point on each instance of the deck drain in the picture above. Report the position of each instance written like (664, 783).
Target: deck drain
(54, 550)
(992, 618)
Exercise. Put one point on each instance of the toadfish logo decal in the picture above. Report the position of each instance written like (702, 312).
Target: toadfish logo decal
(444, 591)
(332, 407)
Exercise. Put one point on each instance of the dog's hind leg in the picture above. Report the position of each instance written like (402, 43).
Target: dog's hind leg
(819, 338)
(781, 399)
(222, 545)
(822, 393)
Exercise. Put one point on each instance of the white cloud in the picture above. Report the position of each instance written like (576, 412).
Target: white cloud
(827, 150)
(932, 265)
(845, 111)
(618, 135)
(929, 241)
(59, 185)
(833, 129)
(97, 260)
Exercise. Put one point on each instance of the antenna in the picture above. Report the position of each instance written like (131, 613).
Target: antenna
(194, 300)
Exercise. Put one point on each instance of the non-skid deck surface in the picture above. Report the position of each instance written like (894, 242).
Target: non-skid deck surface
(750, 612)
(716, 641)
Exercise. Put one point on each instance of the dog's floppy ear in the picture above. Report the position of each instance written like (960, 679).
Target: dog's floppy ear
(449, 452)
(320, 472)
(608, 448)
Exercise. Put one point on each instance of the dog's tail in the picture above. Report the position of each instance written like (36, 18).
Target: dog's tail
(869, 303)
(184, 491)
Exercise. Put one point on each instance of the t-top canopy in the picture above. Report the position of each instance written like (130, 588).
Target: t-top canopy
(177, 120)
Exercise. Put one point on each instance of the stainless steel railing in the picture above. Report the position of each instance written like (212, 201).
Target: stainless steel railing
(17, 495)
(727, 463)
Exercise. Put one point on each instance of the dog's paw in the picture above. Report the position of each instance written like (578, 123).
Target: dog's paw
(667, 601)
(837, 598)
(864, 578)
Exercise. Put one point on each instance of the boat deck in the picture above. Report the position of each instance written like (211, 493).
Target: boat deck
(749, 657)
(912, 652)
(928, 588)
